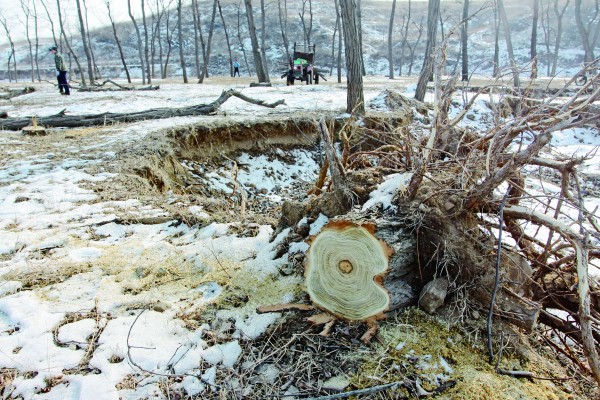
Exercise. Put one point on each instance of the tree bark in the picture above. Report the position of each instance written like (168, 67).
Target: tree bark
(209, 40)
(239, 36)
(263, 37)
(114, 29)
(355, 103)
(197, 32)
(89, 41)
(37, 41)
(340, 38)
(390, 42)
(534, 26)
(427, 69)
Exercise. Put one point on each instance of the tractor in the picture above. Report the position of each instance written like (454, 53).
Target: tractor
(302, 67)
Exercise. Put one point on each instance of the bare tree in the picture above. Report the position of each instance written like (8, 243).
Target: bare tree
(89, 40)
(11, 55)
(63, 34)
(226, 38)
(509, 46)
(239, 36)
(37, 41)
(197, 38)
(355, 101)
(114, 29)
(534, 27)
(390, 42)
(559, 18)
(139, 40)
(283, 19)
(412, 48)
(169, 39)
(589, 33)
(180, 41)
(84, 43)
(496, 61)
(404, 33)
(464, 42)
(433, 12)
(146, 44)
(306, 28)
(263, 76)
(27, 13)
(56, 42)
(547, 31)
(336, 29)
(209, 41)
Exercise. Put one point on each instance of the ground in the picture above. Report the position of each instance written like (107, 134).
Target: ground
(133, 258)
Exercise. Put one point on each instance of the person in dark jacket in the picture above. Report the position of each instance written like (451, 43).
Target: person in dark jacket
(61, 71)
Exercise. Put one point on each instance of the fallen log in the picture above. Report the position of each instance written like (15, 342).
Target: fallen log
(100, 88)
(8, 94)
(75, 121)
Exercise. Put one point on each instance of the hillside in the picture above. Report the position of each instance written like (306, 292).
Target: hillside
(375, 20)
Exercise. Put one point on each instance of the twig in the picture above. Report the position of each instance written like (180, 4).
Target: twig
(358, 392)
(530, 375)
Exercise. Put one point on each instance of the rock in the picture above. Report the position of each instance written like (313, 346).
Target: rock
(433, 294)
(337, 383)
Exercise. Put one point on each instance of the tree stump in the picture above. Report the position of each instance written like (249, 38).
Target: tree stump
(34, 129)
(345, 269)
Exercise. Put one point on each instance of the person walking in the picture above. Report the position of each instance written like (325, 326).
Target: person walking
(236, 68)
(61, 71)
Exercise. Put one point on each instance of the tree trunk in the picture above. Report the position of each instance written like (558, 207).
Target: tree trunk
(355, 103)
(208, 42)
(84, 43)
(360, 38)
(584, 32)
(263, 77)
(404, 33)
(64, 36)
(496, 61)
(146, 49)
(121, 55)
(139, 41)
(414, 47)
(180, 41)
(263, 37)
(27, 13)
(464, 42)
(239, 36)
(37, 41)
(390, 42)
(226, 38)
(169, 39)
(427, 69)
(197, 32)
(89, 40)
(51, 25)
(11, 55)
(340, 38)
(534, 25)
(559, 19)
(509, 46)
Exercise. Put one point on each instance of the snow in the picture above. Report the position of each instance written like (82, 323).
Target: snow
(135, 287)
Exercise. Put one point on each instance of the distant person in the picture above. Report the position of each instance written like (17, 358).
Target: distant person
(236, 68)
(61, 71)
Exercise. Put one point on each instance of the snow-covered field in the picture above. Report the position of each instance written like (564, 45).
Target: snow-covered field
(95, 308)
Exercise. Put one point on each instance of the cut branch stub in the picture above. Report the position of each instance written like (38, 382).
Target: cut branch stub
(344, 272)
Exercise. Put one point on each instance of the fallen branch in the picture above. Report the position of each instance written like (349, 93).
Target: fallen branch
(8, 94)
(72, 121)
(529, 375)
(358, 392)
(99, 87)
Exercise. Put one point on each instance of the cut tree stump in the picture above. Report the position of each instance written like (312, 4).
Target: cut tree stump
(76, 121)
(345, 268)
(34, 129)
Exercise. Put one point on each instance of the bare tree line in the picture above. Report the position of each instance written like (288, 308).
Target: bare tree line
(160, 29)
